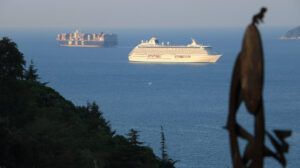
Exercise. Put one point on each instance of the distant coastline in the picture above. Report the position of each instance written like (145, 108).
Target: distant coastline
(293, 34)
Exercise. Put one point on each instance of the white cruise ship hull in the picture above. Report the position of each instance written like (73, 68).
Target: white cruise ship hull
(152, 51)
(174, 58)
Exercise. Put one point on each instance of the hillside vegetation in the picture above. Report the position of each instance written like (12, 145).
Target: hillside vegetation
(41, 129)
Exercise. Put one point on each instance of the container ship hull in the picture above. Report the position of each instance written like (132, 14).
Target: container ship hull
(87, 44)
(78, 39)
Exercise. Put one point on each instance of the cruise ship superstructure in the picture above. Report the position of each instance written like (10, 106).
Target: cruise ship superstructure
(152, 51)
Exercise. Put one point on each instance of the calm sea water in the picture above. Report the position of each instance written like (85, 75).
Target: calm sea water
(189, 100)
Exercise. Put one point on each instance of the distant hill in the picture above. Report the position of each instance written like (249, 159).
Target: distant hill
(293, 34)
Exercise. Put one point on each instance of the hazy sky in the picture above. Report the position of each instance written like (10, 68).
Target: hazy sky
(145, 13)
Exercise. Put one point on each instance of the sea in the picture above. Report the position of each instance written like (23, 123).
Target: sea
(189, 100)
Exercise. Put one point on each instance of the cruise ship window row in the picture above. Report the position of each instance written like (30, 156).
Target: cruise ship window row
(168, 52)
(163, 50)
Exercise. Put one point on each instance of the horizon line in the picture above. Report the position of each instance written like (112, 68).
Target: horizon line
(163, 27)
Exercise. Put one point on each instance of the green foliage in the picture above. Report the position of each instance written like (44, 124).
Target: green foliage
(133, 137)
(165, 161)
(31, 74)
(164, 155)
(39, 128)
(11, 60)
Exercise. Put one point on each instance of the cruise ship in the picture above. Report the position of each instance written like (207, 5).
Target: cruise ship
(78, 39)
(152, 51)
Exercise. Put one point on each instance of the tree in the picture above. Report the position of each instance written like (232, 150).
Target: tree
(11, 60)
(164, 155)
(96, 118)
(93, 109)
(133, 137)
(31, 74)
(165, 162)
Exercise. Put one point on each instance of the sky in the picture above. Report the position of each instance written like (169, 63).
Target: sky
(145, 13)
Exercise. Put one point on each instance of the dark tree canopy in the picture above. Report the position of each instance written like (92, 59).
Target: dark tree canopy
(133, 137)
(31, 73)
(166, 162)
(11, 60)
(164, 155)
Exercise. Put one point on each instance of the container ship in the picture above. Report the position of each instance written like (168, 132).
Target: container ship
(152, 51)
(78, 39)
